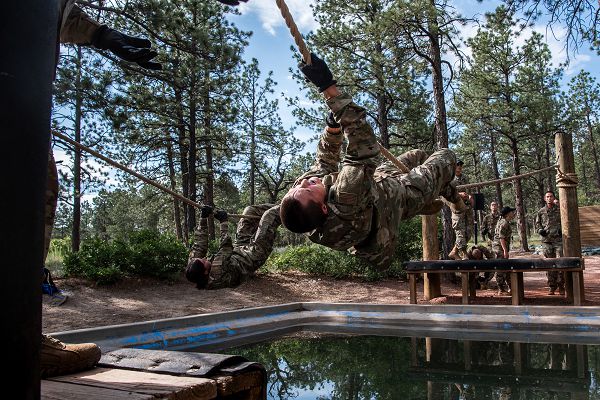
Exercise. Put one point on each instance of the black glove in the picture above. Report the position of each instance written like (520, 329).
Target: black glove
(221, 215)
(126, 47)
(330, 121)
(205, 211)
(543, 232)
(318, 73)
(231, 2)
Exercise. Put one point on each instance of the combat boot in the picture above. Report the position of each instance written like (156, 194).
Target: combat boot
(432, 208)
(453, 253)
(58, 358)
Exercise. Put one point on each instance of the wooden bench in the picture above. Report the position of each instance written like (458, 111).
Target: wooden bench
(572, 267)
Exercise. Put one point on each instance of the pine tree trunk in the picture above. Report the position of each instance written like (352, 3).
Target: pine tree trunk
(382, 121)
(209, 187)
(76, 229)
(183, 155)
(521, 216)
(192, 157)
(173, 183)
(496, 170)
(594, 149)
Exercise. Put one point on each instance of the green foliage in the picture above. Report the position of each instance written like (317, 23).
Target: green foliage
(143, 253)
(320, 260)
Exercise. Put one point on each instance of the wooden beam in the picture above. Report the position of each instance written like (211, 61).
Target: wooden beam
(569, 213)
(431, 251)
(498, 264)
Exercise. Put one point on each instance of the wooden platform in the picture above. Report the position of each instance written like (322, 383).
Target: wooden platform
(115, 384)
(571, 266)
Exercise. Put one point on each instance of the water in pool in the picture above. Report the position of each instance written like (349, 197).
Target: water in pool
(372, 367)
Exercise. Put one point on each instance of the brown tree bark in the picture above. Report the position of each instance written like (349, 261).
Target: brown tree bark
(76, 228)
(521, 216)
(173, 184)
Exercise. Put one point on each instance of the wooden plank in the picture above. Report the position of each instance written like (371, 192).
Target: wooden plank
(159, 385)
(52, 390)
(588, 225)
(412, 284)
(229, 385)
(576, 278)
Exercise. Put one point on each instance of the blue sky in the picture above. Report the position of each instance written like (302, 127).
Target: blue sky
(271, 41)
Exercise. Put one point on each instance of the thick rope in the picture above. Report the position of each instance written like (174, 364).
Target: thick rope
(139, 176)
(289, 21)
(566, 179)
(510, 178)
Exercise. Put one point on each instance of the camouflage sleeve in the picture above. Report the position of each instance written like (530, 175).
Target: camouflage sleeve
(200, 245)
(226, 245)
(363, 148)
(538, 221)
(487, 253)
(77, 27)
(328, 156)
(504, 231)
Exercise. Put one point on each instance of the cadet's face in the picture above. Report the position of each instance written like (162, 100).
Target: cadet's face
(309, 190)
(494, 206)
(510, 215)
(458, 170)
(549, 198)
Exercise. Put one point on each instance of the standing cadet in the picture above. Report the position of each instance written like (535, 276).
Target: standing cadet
(236, 262)
(462, 221)
(501, 245)
(488, 226)
(359, 207)
(547, 223)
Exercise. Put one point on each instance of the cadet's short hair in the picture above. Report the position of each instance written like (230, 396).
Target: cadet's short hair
(298, 218)
(549, 191)
(195, 272)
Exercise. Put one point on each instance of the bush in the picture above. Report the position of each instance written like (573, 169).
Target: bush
(316, 259)
(143, 253)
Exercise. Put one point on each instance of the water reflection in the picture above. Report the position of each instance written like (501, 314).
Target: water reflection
(369, 367)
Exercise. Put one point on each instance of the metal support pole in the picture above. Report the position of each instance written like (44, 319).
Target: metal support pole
(28, 45)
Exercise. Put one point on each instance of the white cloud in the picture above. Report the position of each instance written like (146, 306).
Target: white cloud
(270, 15)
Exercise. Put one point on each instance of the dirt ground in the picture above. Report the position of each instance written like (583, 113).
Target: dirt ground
(142, 300)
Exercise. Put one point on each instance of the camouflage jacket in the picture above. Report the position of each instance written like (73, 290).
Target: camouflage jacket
(548, 218)
(232, 265)
(488, 225)
(487, 253)
(462, 180)
(75, 26)
(366, 203)
(503, 231)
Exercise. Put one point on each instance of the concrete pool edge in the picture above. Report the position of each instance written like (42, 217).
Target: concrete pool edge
(217, 331)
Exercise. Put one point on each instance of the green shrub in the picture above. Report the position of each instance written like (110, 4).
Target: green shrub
(320, 260)
(143, 253)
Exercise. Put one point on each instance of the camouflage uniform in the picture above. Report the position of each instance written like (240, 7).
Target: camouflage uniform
(462, 222)
(548, 218)
(366, 203)
(76, 27)
(488, 225)
(503, 231)
(236, 262)
(487, 255)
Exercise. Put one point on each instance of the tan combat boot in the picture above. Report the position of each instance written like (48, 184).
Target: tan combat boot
(453, 253)
(58, 358)
(432, 208)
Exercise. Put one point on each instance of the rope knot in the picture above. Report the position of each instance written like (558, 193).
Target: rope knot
(566, 179)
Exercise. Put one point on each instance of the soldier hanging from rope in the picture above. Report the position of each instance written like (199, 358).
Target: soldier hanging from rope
(359, 207)
(235, 262)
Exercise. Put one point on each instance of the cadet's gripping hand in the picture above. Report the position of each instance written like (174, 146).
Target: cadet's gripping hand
(231, 2)
(205, 211)
(318, 72)
(330, 121)
(543, 232)
(221, 215)
(128, 48)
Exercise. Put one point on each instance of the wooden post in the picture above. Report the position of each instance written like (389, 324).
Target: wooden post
(569, 213)
(431, 251)
(27, 65)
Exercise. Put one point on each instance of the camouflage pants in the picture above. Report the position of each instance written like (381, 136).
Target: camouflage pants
(247, 227)
(247, 259)
(502, 278)
(556, 279)
(51, 201)
(463, 229)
